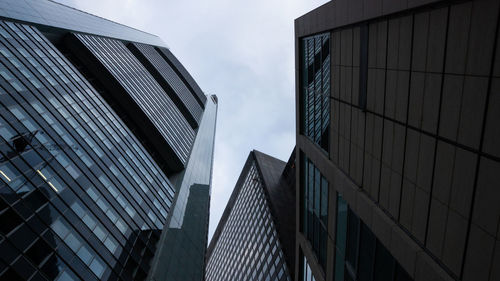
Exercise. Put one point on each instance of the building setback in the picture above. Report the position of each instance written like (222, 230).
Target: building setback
(106, 151)
(398, 141)
(254, 239)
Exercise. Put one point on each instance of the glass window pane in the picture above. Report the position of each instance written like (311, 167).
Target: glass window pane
(97, 267)
(72, 242)
(59, 228)
(366, 253)
(340, 237)
(384, 264)
(400, 274)
(84, 254)
(352, 239)
(324, 201)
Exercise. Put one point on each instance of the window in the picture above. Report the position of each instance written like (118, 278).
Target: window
(315, 89)
(315, 209)
(306, 271)
(359, 255)
(97, 267)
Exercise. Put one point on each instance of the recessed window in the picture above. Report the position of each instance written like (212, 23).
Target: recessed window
(97, 267)
(84, 255)
(315, 209)
(359, 255)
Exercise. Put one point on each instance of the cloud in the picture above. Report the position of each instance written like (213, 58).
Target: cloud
(242, 51)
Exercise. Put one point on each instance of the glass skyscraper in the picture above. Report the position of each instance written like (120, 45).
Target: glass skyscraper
(106, 148)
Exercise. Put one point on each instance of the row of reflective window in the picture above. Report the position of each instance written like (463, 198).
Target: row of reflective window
(144, 90)
(170, 79)
(315, 209)
(315, 89)
(359, 255)
(53, 149)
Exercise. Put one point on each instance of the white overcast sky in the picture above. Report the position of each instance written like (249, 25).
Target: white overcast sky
(242, 51)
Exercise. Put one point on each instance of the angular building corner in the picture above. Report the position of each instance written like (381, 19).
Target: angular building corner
(398, 158)
(255, 238)
(106, 151)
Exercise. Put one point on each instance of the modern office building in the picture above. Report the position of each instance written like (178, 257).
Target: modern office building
(106, 150)
(255, 238)
(398, 135)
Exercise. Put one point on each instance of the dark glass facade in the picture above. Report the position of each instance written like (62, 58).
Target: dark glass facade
(246, 245)
(183, 243)
(183, 74)
(359, 255)
(115, 62)
(315, 209)
(63, 146)
(315, 89)
(49, 14)
(82, 194)
(171, 83)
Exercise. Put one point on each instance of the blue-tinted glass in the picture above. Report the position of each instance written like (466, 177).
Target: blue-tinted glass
(190, 211)
(172, 83)
(57, 137)
(97, 267)
(84, 255)
(145, 92)
(64, 277)
(315, 89)
(57, 15)
(72, 242)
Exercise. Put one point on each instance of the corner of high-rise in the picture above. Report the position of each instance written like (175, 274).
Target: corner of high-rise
(106, 150)
(398, 159)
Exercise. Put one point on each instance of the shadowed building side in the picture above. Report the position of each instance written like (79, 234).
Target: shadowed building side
(397, 140)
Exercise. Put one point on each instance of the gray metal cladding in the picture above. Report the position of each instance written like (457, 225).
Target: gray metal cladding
(170, 81)
(183, 74)
(140, 85)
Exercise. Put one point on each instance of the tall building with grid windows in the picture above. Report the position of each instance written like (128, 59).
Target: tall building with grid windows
(255, 239)
(398, 135)
(106, 150)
